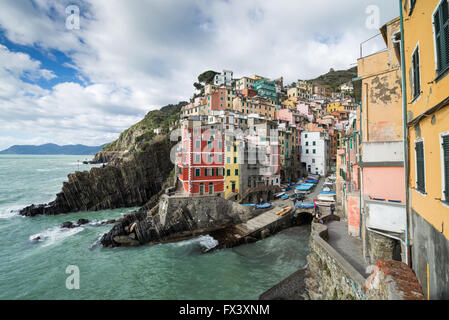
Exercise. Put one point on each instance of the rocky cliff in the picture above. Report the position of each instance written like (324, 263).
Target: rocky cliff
(119, 184)
(136, 138)
(175, 218)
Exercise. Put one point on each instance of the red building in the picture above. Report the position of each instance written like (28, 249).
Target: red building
(201, 160)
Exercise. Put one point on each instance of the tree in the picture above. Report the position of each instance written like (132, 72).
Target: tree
(198, 86)
(207, 77)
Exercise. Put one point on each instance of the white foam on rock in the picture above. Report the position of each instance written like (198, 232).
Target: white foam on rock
(54, 235)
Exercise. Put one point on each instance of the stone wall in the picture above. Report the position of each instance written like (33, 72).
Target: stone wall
(380, 247)
(330, 277)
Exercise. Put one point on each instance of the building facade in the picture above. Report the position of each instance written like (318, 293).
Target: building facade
(426, 44)
(315, 152)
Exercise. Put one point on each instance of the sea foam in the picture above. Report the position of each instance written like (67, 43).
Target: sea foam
(54, 235)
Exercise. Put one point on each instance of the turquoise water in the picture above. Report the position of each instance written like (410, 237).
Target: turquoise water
(37, 270)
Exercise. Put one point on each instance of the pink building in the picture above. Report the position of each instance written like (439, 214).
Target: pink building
(305, 111)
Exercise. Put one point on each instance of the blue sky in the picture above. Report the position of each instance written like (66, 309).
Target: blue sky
(71, 86)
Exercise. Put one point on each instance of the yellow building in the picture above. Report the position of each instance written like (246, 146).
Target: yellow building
(426, 50)
(335, 106)
(289, 104)
(260, 106)
(232, 168)
(305, 85)
(297, 92)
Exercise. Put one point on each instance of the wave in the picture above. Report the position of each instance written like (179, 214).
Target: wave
(206, 243)
(54, 235)
(10, 212)
(97, 242)
(47, 170)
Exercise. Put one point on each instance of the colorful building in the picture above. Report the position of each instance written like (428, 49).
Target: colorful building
(426, 46)
(200, 160)
(384, 221)
(266, 89)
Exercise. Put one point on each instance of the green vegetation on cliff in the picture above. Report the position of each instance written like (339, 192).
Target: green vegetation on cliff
(334, 78)
(138, 136)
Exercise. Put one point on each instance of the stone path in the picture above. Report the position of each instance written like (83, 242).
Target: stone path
(349, 247)
(258, 223)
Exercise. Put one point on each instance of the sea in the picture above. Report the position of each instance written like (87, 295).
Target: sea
(71, 264)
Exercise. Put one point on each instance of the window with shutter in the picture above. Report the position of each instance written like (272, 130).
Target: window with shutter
(412, 5)
(441, 25)
(446, 166)
(420, 171)
(416, 74)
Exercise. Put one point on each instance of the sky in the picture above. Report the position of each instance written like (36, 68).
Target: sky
(83, 71)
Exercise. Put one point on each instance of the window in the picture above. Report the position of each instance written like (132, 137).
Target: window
(307, 151)
(236, 172)
(220, 158)
(416, 74)
(228, 172)
(446, 167)
(420, 169)
(314, 143)
(412, 5)
(228, 160)
(197, 158)
(314, 151)
(235, 159)
(197, 172)
(441, 25)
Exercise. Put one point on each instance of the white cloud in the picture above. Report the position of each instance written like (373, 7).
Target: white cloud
(133, 56)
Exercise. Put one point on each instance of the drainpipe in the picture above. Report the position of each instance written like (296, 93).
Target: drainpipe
(361, 169)
(405, 139)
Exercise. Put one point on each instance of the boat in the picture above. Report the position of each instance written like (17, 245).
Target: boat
(331, 193)
(305, 187)
(328, 198)
(324, 203)
(285, 211)
(305, 205)
(263, 206)
(249, 204)
(278, 195)
(284, 197)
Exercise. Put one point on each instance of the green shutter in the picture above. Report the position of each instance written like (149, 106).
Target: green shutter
(420, 179)
(446, 166)
(416, 74)
(441, 21)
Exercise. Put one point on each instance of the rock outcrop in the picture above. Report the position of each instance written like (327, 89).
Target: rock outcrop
(176, 218)
(117, 185)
